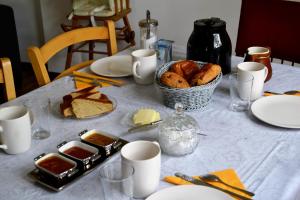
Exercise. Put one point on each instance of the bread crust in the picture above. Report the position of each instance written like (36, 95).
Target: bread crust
(173, 80)
(186, 69)
(206, 74)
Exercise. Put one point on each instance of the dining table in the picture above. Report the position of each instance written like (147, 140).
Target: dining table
(265, 157)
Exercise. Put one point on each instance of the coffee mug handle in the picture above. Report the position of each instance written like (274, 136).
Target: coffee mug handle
(135, 64)
(2, 146)
(266, 73)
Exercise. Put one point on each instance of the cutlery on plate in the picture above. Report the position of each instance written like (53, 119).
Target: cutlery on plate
(214, 178)
(199, 182)
(118, 83)
(145, 126)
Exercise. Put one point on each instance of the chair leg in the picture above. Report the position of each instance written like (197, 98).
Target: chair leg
(70, 48)
(91, 50)
(129, 33)
(69, 57)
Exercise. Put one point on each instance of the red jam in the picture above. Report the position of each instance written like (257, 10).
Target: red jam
(100, 140)
(78, 152)
(55, 164)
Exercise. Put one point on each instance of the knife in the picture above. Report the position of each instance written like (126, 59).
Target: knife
(118, 83)
(199, 182)
(92, 82)
(152, 124)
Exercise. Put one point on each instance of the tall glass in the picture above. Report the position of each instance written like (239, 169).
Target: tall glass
(117, 180)
(240, 92)
(40, 110)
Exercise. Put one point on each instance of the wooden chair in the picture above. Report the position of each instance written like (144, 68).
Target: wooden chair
(40, 56)
(6, 78)
(98, 11)
(272, 23)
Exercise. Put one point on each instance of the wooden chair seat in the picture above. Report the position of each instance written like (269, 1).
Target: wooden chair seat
(7, 79)
(40, 56)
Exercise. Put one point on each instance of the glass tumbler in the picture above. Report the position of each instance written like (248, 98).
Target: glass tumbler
(240, 92)
(117, 180)
(41, 122)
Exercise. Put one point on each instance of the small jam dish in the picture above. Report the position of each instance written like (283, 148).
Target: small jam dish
(100, 140)
(56, 165)
(85, 155)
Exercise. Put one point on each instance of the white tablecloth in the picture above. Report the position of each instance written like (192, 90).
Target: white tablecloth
(266, 158)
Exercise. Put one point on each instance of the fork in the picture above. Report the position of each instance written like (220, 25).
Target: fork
(214, 178)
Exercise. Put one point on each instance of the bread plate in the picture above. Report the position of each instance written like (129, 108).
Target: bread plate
(190, 192)
(113, 66)
(55, 109)
(278, 110)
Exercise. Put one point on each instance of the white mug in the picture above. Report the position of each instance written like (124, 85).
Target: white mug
(145, 158)
(15, 129)
(259, 73)
(144, 65)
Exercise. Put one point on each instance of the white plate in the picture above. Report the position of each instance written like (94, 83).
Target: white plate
(189, 192)
(278, 110)
(55, 110)
(113, 66)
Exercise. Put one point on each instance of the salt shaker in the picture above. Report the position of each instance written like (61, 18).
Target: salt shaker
(179, 133)
(148, 32)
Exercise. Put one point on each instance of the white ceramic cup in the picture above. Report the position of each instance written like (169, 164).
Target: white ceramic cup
(259, 73)
(144, 65)
(15, 129)
(145, 158)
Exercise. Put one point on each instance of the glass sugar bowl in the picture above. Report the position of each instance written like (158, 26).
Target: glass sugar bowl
(179, 133)
(148, 32)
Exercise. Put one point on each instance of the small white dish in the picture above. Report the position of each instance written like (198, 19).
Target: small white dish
(190, 192)
(113, 66)
(278, 110)
(128, 117)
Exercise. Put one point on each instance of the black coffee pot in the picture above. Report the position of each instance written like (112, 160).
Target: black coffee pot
(210, 42)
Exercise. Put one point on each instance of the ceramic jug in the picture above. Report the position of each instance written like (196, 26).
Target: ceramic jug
(261, 55)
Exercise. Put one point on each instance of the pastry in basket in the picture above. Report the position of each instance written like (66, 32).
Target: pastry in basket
(186, 69)
(206, 74)
(85, 103)
(173, 80)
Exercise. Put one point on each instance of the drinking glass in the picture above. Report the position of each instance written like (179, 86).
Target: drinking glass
(116, 180)
(41, 123)
(240, 92)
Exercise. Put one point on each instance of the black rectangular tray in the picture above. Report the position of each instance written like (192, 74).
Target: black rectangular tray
(58, 185)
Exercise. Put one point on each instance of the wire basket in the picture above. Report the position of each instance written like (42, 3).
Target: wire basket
(193, 98)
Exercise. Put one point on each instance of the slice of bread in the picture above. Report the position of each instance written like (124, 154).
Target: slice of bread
(85, 103)
(85, 107)
(87, 90)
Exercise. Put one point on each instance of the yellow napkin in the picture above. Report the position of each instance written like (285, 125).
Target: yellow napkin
(228, 176)
(81, 83)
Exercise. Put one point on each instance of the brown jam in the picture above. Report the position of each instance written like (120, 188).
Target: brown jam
(78, 152)
(56, 165)
(100, 140)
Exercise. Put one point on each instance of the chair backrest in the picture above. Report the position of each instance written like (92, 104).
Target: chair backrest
(90, 5)
(40, 56)
(7, 78)
(271, 23)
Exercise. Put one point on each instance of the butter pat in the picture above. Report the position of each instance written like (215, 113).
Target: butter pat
(145, 116)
